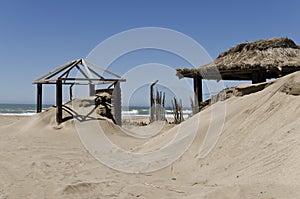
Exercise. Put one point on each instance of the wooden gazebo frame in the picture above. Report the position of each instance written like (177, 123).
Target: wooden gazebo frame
(61, 76)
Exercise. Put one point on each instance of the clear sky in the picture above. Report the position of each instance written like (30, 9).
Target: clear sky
(37, 36)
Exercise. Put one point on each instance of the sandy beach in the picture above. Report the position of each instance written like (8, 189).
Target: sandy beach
(9, 119)
(149, 99)
(255, 156)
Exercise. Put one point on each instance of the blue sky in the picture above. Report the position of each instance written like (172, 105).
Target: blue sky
(37, 36)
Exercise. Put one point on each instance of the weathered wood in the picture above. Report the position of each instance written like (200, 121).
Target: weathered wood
(59, 101)
(95, 73)
(66, 73)
(116, 101)
(236, 74)
(86, 68)
(107, 71)
(69, 66)
(56, 71)
(92, 89)
(194, 108)
(39, 98)
(60, 76)
(258, 76)
(84, 81)
(177, 111)
(158, 106)
(197, 92)
(83, 73)
(157, 102)
(152, 102)
(71, 92)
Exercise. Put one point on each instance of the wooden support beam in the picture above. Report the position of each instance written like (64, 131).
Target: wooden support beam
(92, 89)
(56, 71)
(39, 98)
(71, 92)
(107, 71)
(152, 108)
(66, 73)
(81, 81)
(95, 73)
(92, 79)
(197, 92)
(59, 101)
(83, 73)
(117, 104)
(258, 76)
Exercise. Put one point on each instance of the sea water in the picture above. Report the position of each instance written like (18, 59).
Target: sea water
(30, 109)
(19, 109)
(145, 111)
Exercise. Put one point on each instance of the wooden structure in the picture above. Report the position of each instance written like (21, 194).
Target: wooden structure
(88, 76)
(254, 61)
(152, 102)
(157, 104)
(177, 110)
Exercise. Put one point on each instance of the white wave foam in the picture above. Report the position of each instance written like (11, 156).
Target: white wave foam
(17, 114)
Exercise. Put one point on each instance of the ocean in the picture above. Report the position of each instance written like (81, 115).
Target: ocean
(145, 111)
(30, 109)
(19, 109)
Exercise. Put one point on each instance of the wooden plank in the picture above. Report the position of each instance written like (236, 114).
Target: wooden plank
(106, 81)
(86, 68)
(56, 71)
(152, 107)
(95, 73)
(197, 92)
(82, 83)
(92, 89)
(71, 92)
(88, 79)
(83, 73)
(116, 101)
(67, 71)
(107, 71)
(59, 101)
(70, 65)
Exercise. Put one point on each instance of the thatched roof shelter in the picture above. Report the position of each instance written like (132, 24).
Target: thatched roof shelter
(256, 61)
(272, 58)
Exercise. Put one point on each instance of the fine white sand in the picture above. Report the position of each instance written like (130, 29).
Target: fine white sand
(255, 155)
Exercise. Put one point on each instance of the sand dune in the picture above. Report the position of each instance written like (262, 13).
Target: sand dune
(255, 155)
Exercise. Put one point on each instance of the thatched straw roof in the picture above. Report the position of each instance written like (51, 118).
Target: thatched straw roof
(275, 57)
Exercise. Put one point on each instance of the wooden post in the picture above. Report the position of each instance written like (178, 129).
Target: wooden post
(71, 92)
(258, 76)
(117, 104)
(39, 98)
(152, 108)
(92, 89)
(198, 92)
(177, 111)
(59, 101)
(163, 107)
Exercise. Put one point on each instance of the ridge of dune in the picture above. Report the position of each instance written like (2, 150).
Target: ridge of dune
(256, 155)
